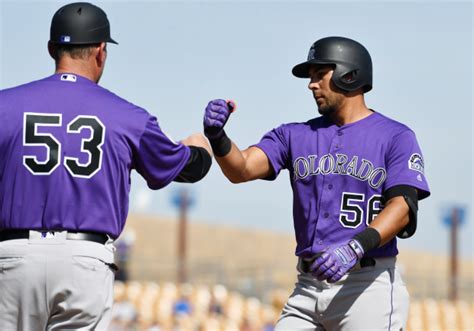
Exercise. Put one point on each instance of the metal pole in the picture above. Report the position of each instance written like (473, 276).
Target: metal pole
(182, 237)
(453, 293)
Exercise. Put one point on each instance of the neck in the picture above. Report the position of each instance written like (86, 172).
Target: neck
(78, 67)
(352, 109)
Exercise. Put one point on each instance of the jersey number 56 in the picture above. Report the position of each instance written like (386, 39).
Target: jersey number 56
(352, 214)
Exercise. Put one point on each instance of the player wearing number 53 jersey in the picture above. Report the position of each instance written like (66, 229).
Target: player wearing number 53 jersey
(356, 177)
(68, 147)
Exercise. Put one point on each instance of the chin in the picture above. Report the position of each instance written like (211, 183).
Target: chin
(325, 110)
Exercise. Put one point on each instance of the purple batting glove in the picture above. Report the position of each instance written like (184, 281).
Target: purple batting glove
(322, 266)
(336, 261)
(215, 117)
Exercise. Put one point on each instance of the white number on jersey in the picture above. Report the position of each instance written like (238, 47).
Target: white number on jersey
(91, 146)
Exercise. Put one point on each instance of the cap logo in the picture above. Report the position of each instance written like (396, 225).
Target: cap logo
(65, 39)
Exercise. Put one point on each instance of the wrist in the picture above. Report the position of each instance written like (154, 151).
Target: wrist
(220, 143)
(368, 239)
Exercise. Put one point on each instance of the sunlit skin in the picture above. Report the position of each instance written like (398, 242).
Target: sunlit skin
(91, 68)
(325, 93)
(341, 106)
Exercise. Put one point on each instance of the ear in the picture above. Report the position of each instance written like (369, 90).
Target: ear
(51, 50)
(101, 54)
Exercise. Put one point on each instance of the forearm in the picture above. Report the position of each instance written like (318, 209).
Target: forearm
(391, 220)
(233, 165)
(241, 166)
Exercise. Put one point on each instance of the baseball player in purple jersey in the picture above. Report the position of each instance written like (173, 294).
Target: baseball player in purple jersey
(356, 177)
(68, 147)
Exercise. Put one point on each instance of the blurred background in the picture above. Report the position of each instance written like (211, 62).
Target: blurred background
(218, 256)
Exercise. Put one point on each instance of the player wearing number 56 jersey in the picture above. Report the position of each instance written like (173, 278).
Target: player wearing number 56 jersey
(356, 177)
(68, 147)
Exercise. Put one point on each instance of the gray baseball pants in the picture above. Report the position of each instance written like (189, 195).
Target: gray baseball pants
(55, 284)
(367, 299)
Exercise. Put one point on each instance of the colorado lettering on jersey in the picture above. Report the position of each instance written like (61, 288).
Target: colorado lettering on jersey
(362, 170)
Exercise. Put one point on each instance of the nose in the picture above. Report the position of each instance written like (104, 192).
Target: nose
(313, 84)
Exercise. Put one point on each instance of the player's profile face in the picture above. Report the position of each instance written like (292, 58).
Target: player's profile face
(324, 91)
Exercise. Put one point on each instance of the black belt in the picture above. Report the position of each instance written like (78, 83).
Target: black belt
(25, 234)
(364, 262)
(367, 262)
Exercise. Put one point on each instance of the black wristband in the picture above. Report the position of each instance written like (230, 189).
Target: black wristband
(221, 146)
(368, 239)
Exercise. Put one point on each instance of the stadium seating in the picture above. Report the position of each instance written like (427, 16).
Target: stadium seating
(154, 306)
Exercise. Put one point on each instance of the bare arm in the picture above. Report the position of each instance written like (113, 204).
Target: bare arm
(392, 219)
(238, 166)
(243, 166)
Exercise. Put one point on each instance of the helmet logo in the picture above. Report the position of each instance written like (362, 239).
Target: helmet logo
(79, 11)
(65, 39)
(311, 53)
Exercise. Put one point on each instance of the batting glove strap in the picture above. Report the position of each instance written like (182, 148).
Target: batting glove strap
(357, 248)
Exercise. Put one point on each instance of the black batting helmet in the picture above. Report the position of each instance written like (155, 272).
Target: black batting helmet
(80, 23)
(353, 65)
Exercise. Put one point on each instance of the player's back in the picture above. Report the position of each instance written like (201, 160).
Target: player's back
(67, 152)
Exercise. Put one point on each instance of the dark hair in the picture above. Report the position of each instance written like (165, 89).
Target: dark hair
(74, 51)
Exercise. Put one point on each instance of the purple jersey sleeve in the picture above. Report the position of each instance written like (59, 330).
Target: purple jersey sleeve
(274, 145)
(405, 164)
(158, 158)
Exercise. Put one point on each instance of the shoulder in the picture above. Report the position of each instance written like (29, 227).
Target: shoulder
(118, 101)
(390, 126)
(16, 90)
(310, 125)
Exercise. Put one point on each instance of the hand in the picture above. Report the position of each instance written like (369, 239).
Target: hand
(197, 139)
(336, 261)
(215, 117)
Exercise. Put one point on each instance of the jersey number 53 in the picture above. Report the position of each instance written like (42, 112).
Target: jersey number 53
(91, 146)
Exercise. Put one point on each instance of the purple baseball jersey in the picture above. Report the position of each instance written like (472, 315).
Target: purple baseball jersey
(68, 147)
(338, 175)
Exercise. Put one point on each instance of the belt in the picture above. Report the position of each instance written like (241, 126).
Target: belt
(25, 234)
(305, 264)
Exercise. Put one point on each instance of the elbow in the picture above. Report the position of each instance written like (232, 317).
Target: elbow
(198, 166)
(237, 177)
(236, 180)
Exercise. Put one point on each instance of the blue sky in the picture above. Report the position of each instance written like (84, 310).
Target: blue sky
(173, 57)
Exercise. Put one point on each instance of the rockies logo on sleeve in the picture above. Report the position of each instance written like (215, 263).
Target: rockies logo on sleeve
(416, 163)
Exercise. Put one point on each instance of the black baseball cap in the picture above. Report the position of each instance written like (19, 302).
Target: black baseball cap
(80, 23)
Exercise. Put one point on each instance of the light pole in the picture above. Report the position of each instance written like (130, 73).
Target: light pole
(183, 201)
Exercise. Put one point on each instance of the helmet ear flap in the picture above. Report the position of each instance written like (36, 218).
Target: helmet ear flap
(350, 77)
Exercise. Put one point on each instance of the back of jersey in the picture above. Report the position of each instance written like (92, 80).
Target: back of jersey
(68, 147)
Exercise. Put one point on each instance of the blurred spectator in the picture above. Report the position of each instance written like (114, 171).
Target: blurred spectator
(245, 325)
(183, 305)
(219, 295)
(124, 316)
(215, 307)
